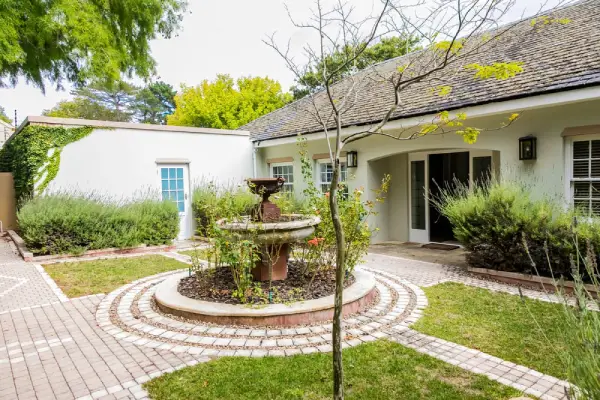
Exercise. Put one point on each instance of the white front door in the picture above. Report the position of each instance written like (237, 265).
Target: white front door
(174, 181)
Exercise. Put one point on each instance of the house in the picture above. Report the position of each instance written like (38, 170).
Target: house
(557, 96)
(125, 160)
(6, 130)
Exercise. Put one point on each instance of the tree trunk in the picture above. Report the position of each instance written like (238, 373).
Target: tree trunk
(338, 369)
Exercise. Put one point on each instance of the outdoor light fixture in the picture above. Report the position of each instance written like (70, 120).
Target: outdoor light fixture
(528, 148)
(352, 159)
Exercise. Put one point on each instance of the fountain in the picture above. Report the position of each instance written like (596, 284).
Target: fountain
(272, 231)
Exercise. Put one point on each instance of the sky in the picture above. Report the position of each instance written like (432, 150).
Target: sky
(217, 36)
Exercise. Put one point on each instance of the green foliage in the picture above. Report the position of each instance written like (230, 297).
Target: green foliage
(33, 157)
(500, 71)
(5, 117)
(546, 20)
(212, 202)
(81, 108)
(505, 229)
(82, 40)
(64, 224)
(386, 49)
(581, 327)
(154, 102)
(354, 213)
(227, 104)
(446, 46)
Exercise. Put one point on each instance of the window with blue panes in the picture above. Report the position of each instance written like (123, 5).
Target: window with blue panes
(172, 186)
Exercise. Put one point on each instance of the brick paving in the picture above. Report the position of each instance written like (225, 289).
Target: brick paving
(78, 349)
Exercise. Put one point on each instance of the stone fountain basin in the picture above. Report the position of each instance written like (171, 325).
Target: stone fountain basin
(298, 228)
(355, 297)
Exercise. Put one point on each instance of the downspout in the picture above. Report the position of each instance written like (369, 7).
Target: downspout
(254, 166)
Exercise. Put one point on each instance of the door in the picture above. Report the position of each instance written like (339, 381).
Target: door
(445, 170)
(174, 180)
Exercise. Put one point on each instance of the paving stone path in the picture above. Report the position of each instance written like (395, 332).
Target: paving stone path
(106, 346)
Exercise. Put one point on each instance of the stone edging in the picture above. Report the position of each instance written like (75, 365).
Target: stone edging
(541, 282)
(29, 257)
(356, 296)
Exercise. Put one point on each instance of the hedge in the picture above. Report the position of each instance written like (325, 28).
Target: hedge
(504, 228)
(66, 224)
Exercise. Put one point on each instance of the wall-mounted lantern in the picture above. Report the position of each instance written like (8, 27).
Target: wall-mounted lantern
(528, 148)
(352, 159)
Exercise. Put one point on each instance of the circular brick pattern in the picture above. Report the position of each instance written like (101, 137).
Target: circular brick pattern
(129, 314)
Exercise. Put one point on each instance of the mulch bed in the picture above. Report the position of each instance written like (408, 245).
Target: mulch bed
(219, 286)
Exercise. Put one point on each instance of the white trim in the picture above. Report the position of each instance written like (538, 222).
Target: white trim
(126, 125)
(172, 161)
(186, 217)
(495, 108)
(318, 164)
(569, 188)
(50, 282)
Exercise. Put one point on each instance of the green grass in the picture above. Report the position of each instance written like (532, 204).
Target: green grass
(103, 276)
(499, 324)
(201, 253)
(374, 371)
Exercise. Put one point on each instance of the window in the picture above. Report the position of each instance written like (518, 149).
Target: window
(325, 175)
(417, 193)
(585, 179)
(172, 186)
(286, 171)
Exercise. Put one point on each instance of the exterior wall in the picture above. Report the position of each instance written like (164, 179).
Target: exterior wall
(376, 155)
(123, 162)
(8, 212)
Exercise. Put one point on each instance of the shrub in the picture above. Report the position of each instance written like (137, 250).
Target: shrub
(211, 202)
(64, 223)
(504, 228)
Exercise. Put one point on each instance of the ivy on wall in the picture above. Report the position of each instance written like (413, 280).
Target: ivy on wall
(33, 157)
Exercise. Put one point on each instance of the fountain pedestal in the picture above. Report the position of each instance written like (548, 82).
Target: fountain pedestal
(272, 233)
(279, 255)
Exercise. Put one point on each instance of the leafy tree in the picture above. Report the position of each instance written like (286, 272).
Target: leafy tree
(470, 32)
(82, 40)
(114, 103)
(82, 108)
(385, 49)
(154, 102)
(227, 104)
(4, 117)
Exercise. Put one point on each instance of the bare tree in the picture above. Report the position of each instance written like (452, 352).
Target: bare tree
(458, 38)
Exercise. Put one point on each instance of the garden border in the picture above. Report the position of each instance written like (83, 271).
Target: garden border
(539, 282)
(356, 296)
(29, 257)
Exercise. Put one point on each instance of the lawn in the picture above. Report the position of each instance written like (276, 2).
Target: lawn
(103, 276)
(201, 253)
(378, 370)
(500, 324)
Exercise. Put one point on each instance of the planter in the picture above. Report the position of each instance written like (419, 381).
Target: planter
(527, 280)
(28, 256)
(356, 297)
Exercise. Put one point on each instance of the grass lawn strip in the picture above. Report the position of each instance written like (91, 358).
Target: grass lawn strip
(499, 324)
(103, 276)
(375, 371)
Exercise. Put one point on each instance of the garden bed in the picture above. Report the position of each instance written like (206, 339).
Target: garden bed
(30, 257)
(219, 286)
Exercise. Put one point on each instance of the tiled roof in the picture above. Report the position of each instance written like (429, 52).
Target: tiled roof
(555, 57)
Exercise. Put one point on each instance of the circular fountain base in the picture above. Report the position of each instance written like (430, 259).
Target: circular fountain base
(356, 297)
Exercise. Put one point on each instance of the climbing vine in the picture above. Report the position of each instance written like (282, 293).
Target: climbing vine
(33, 156)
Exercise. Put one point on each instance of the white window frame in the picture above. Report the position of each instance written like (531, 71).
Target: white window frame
(287, 186)
(570, 149)
(343, 179)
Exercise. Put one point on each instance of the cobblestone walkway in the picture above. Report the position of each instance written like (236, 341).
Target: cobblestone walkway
(107, 346)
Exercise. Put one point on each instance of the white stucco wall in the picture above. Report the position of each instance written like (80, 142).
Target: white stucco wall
(121, 162)
(546, 176)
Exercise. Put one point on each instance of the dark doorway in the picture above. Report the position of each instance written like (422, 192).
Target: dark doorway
(444, 170)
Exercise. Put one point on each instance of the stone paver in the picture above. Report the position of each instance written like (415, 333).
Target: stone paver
(73, 349)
